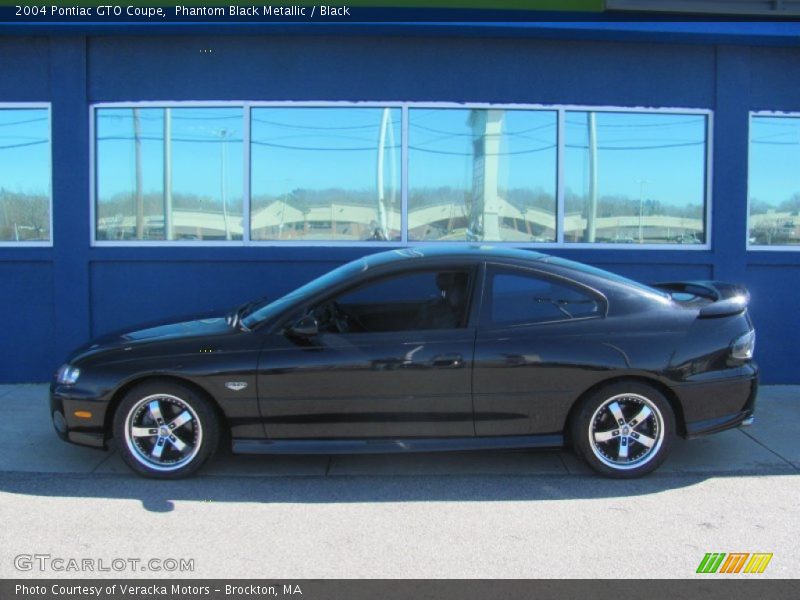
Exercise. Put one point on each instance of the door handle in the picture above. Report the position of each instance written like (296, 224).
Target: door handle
(447, 360)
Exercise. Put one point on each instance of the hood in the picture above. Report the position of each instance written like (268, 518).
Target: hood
(182, 329)
(197, 326)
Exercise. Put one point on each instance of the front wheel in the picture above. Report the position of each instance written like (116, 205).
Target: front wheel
(165, 430)
(624, 430)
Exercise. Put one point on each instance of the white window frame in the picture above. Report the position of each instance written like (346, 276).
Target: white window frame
(48, 107)
(761, 247)
(559, 109)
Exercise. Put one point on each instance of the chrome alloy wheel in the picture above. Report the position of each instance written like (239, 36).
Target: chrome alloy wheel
(163, 432)
(626, 431)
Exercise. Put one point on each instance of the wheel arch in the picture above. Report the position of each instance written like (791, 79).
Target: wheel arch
(119, 394)
(669, 394)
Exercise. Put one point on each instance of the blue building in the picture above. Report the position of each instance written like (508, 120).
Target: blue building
(154, 175)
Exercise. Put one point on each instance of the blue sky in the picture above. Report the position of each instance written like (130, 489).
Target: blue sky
(318, 148)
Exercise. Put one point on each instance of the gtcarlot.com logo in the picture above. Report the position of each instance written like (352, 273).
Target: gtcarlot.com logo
(734, 562)
(61, 564)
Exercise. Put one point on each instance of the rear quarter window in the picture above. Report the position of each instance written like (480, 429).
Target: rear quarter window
(519, 298)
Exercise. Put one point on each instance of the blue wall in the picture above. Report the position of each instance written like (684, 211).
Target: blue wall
(55, 299)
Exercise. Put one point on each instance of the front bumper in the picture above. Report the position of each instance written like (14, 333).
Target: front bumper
(78, 416)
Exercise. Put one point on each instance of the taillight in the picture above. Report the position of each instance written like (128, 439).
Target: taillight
(744, 346)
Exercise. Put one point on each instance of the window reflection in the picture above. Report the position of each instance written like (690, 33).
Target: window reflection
(325, 174)
(334, 173)
(518, 298)
(636, 178)
(24, 175)
(482, 174)
(169, 174)
(774, 181)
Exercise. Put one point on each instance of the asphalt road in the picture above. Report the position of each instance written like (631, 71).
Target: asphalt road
(487, 514)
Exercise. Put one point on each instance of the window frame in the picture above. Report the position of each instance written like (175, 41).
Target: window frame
(405, 107)
(763, 247)
(49, 108)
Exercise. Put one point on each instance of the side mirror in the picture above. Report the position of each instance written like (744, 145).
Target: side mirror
(305, 327)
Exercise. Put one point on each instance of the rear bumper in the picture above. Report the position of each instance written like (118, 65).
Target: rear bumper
(711, 407)
(68, 411)
(699, 428)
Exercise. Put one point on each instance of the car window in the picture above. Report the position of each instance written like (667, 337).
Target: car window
(434, 299)
(519, 298)
(416, 287)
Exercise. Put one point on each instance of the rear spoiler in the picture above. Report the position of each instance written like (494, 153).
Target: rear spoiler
(726, 298)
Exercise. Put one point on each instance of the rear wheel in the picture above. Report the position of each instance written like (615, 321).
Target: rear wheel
(624, 430)
(165, 430)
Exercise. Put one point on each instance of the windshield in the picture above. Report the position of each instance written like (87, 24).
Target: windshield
(267, 311)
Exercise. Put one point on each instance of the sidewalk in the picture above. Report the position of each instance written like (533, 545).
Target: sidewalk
(29, 444)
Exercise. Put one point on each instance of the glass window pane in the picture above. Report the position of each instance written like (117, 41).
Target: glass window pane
(521, 299)
(774, 185)
(478, 174)
(637, 178)
(169, 174)
(24, 174)
(411, 301)
(325, 174)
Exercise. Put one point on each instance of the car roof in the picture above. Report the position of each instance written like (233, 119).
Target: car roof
(453, 250)
(487, 252)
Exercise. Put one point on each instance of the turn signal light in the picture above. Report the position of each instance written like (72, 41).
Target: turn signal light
(83, 414)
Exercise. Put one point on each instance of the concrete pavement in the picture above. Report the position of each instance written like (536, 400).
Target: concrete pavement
(479, 514)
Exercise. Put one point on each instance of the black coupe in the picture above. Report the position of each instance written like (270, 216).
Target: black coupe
(422, 349)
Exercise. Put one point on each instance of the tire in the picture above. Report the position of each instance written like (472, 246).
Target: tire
(165, 430)
(623, 449)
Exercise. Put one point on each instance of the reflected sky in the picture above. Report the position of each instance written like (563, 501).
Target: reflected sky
(24, 175)
(203, 140)
(441, 149)
(661, 156)
(774, 160)
(25, 151)
(291, 149)
(321, 148)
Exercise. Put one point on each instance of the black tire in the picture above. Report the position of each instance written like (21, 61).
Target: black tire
(165, 430)
(626, 449)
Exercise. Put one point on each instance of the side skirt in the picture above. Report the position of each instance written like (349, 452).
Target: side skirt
(241, 446)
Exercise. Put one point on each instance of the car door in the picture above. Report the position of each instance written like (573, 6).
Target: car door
(537, 346)
(394, 364)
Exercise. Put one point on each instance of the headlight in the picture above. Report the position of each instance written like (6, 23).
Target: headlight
(67, 374)
(744, 346)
